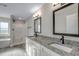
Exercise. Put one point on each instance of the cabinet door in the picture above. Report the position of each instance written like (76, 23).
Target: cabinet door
(44, 52)
(36, 48)
(31, 48)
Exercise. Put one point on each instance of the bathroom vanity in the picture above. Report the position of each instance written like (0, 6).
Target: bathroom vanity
(46, 46)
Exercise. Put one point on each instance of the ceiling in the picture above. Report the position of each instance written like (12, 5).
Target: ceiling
(19, 10)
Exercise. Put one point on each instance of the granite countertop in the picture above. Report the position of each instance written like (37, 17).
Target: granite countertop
(45, 41)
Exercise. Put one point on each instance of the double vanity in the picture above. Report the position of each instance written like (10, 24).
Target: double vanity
(46, 46)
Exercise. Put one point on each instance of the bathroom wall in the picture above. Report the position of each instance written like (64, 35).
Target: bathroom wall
(30, 27)
(46, 14)
(47, 23)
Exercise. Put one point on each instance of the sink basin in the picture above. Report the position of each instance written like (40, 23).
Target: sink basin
(61, 47)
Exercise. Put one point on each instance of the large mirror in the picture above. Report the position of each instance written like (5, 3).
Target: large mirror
(37, 25)
(66, 20)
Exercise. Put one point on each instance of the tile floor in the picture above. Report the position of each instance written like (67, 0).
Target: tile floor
(13, 51)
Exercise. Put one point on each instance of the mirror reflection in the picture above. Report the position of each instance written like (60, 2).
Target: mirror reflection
(37, 25)
(66, 19)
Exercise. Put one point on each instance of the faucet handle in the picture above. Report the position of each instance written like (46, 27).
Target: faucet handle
(62, 36)
(62, 39)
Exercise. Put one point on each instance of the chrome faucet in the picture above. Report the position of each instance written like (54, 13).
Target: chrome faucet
(62, 39)
(35, 34)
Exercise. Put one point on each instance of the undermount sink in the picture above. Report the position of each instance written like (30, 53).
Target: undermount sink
(61, 47)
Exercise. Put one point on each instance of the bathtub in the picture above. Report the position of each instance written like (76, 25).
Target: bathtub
(4, 42)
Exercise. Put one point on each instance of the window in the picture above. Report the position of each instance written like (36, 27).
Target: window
(4, 28)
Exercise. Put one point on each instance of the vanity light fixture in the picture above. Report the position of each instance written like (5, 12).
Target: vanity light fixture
(54, 4)
(37, 14)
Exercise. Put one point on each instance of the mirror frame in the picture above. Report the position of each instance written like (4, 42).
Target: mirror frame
(38, 18)
(65, 34)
